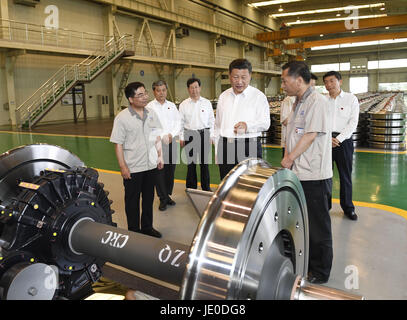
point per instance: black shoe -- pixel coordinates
(152, 232)
(171, 202)
(351, 215)
(163, 206)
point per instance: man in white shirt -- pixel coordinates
(308, 154)
(344, 110)
(197, 121)
(170, 120)
(242, 114)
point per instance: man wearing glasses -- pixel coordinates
(136, 134)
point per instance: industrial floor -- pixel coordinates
(370, 254)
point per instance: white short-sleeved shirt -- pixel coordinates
(138, 138)
(196, 115)
(250, 106)
(311, 114)
(169, 116)
(344, 111)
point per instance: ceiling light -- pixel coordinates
(321, 35)
(280, 9)
(334, 19)
(365, 6)
(387, 28)
(353, 31)
(383, 8)
(338, 14)
(271, 3)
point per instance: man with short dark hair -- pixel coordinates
(171, 122)
(308, 155)
(197, 122)
(242, 114)
(136, 134)
(344, 110)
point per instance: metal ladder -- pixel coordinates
(31, 111)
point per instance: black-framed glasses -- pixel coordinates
(141, 95)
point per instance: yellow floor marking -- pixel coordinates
(398, 211)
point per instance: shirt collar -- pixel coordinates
(341, 94)
(159, 104)
(134, 113)
(192, 101)
(244, 93)
(305, 95)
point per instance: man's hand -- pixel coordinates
(125, 172)
(335, 143)
(287, 162)
(182, 143)
(240, 128)
(160, 163)
(167, 139)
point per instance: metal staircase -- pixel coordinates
(44, 99)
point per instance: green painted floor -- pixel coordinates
(378, 177)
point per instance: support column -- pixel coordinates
(4, 25)
(112, 71)
(114, 104)
(216, 83)
(11, 93)
(242, 50)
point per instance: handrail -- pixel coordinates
(13, 30)
(67, 76)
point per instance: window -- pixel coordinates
(330, 66)
(386, 64)
(358, 84)
(393, 86)
(359, 44)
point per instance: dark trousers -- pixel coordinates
(197, 147)
(318, 196)
(232, 151)
(140, 183)
(165, 177)
(343, 157)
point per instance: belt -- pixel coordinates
(232, 140)
(335, 134)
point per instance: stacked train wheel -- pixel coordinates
(359, 136)
(276, 127)
(387, 131)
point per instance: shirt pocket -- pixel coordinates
(203, 115)
(343, 111)
(299, 123)
(131, 136)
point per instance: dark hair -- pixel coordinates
(240, 64)
(332, 73)
(159, 83)
(192, 80)
(298, 69)
(131, 88)
(314, 77)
